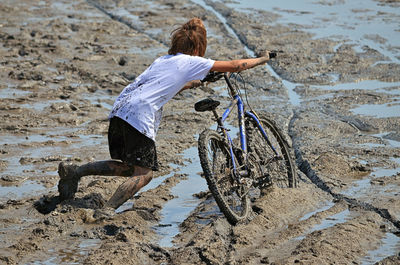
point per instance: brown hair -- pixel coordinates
(189, 38)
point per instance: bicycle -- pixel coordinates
(238, 173)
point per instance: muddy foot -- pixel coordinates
(68, 184)
(67, 189)
(67, 171)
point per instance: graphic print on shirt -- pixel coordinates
(140, 103)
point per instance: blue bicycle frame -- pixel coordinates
(241, 114)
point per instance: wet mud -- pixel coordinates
(64, 62)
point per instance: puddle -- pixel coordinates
(387, 172)
(72, 255)
(387, 110)
(330, 221)
(363, 85)
(326, 206)
(12, 92)
(365, 190)
(358, 188)
(27, 188)
(384, 140)
(176, 210)
(390, 246)
(38, 106)
(100, 97)
(294, 98)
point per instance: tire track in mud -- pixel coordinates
(306, 168)
(120, 19)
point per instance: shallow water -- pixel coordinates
(363, 189)
(387, 110)
(71, 255)
(390, 245)
(324, 207)
(328, 222)
(176, 210)
(355, 22)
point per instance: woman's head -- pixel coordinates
(190, 38)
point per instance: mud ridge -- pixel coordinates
(306, 168)
(228, 25)
(123, 21)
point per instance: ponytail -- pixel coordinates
(189, 38)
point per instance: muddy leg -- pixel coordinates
(71, 174)
(105, 168)
(142, 176)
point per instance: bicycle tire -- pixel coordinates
(282, 173)
(216, 162)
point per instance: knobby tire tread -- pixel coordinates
(207, 166)
(268, 124)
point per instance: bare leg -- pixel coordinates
(141, 177)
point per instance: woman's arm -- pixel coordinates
(238, 65)
(230, 66)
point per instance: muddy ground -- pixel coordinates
(64, 62)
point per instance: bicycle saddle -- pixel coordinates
(206, 104)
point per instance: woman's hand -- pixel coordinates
(192, 84)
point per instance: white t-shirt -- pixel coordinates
(140, 103)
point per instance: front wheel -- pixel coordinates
(267, 144)
(218, 167)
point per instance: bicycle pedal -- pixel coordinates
(264, 181)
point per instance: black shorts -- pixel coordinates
(130, 146)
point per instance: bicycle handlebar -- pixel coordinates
(215, 76)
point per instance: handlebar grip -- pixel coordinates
(272, 55)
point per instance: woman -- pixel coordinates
(137, 112)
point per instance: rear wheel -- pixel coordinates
(217, 165)
(278, 167)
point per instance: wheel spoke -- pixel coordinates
(277, 166)
(218, 168)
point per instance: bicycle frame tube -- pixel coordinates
(240, 107)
